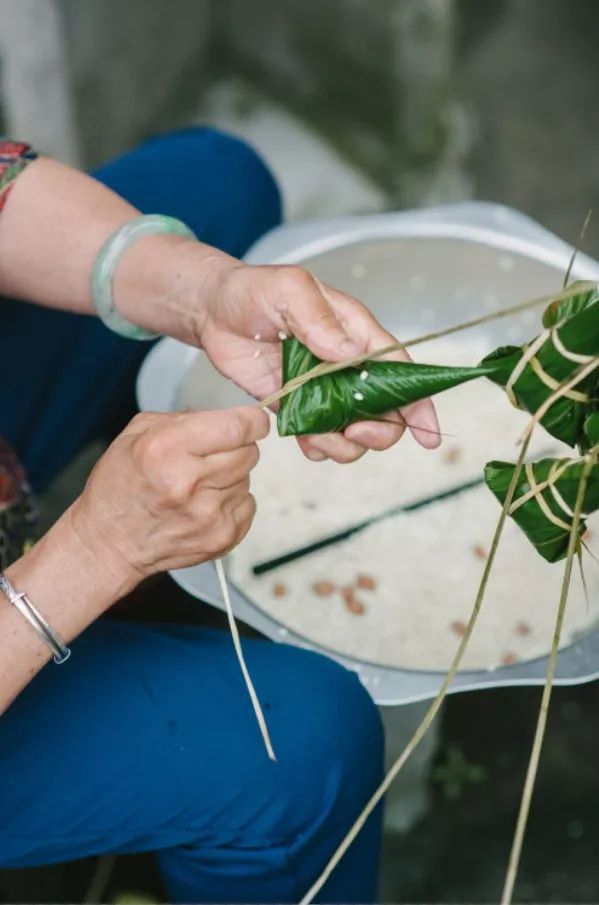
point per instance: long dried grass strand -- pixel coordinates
(535, 754)
(431, 713)
(331, 367)
(436, 704)
(578, 243)
(434, 708)
(224, 588)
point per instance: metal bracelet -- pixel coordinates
(35, 619)
(108, 258)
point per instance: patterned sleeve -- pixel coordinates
(14, 157)
(18, 512)
(18, 509)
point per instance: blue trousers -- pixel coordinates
(145, 739)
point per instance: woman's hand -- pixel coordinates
(171, 491)
(193, 292)
(247, 314)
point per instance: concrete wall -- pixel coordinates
(374, 76)
(35, 82)
(82, 79)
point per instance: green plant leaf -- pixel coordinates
(550, 540)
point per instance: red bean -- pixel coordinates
(323, 588)
(355, 606)
(453, 455)
(458, 628)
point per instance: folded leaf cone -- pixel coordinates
(330, 402)
(545, 511)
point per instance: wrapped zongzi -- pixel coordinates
(544, 500)
(568, 346)
(330, 402)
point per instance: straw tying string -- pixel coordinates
(564, 389)
(224, 588)
(537, 489)
(542, 502)
(530, 358)
(436, 704)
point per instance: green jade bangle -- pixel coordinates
(108, 258)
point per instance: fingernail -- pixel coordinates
(315, 455)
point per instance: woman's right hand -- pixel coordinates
(171, 491)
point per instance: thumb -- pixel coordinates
(312, 320)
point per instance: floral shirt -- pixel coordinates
(14, 157)
(18, 512)
(17, 506)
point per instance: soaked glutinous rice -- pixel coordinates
(400, 592)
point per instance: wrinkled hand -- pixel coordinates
(241, 335)
(171, 491)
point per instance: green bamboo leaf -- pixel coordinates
(564, 309)
(550, 540)
(579, 335)
(591, 429)
(331, 402)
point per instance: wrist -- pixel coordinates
(164, 284)
(68, 586)
(103, 550)
(67, 581)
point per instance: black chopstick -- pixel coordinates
(268, 565)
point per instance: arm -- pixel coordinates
(53, 224)
(171, 491)
(69, 586)
(55, 221)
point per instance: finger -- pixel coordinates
(229, 468)
(360, 322)
(243, 514)
(424, 424)
(231, 511)
(223, 430)
(217, 501)
(310, 451)
(309, 316)
(331, 446)
(377, 435)
(362, 325)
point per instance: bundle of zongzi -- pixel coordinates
(530, 374)
(567, 348)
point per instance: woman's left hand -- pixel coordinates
(254, 307)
